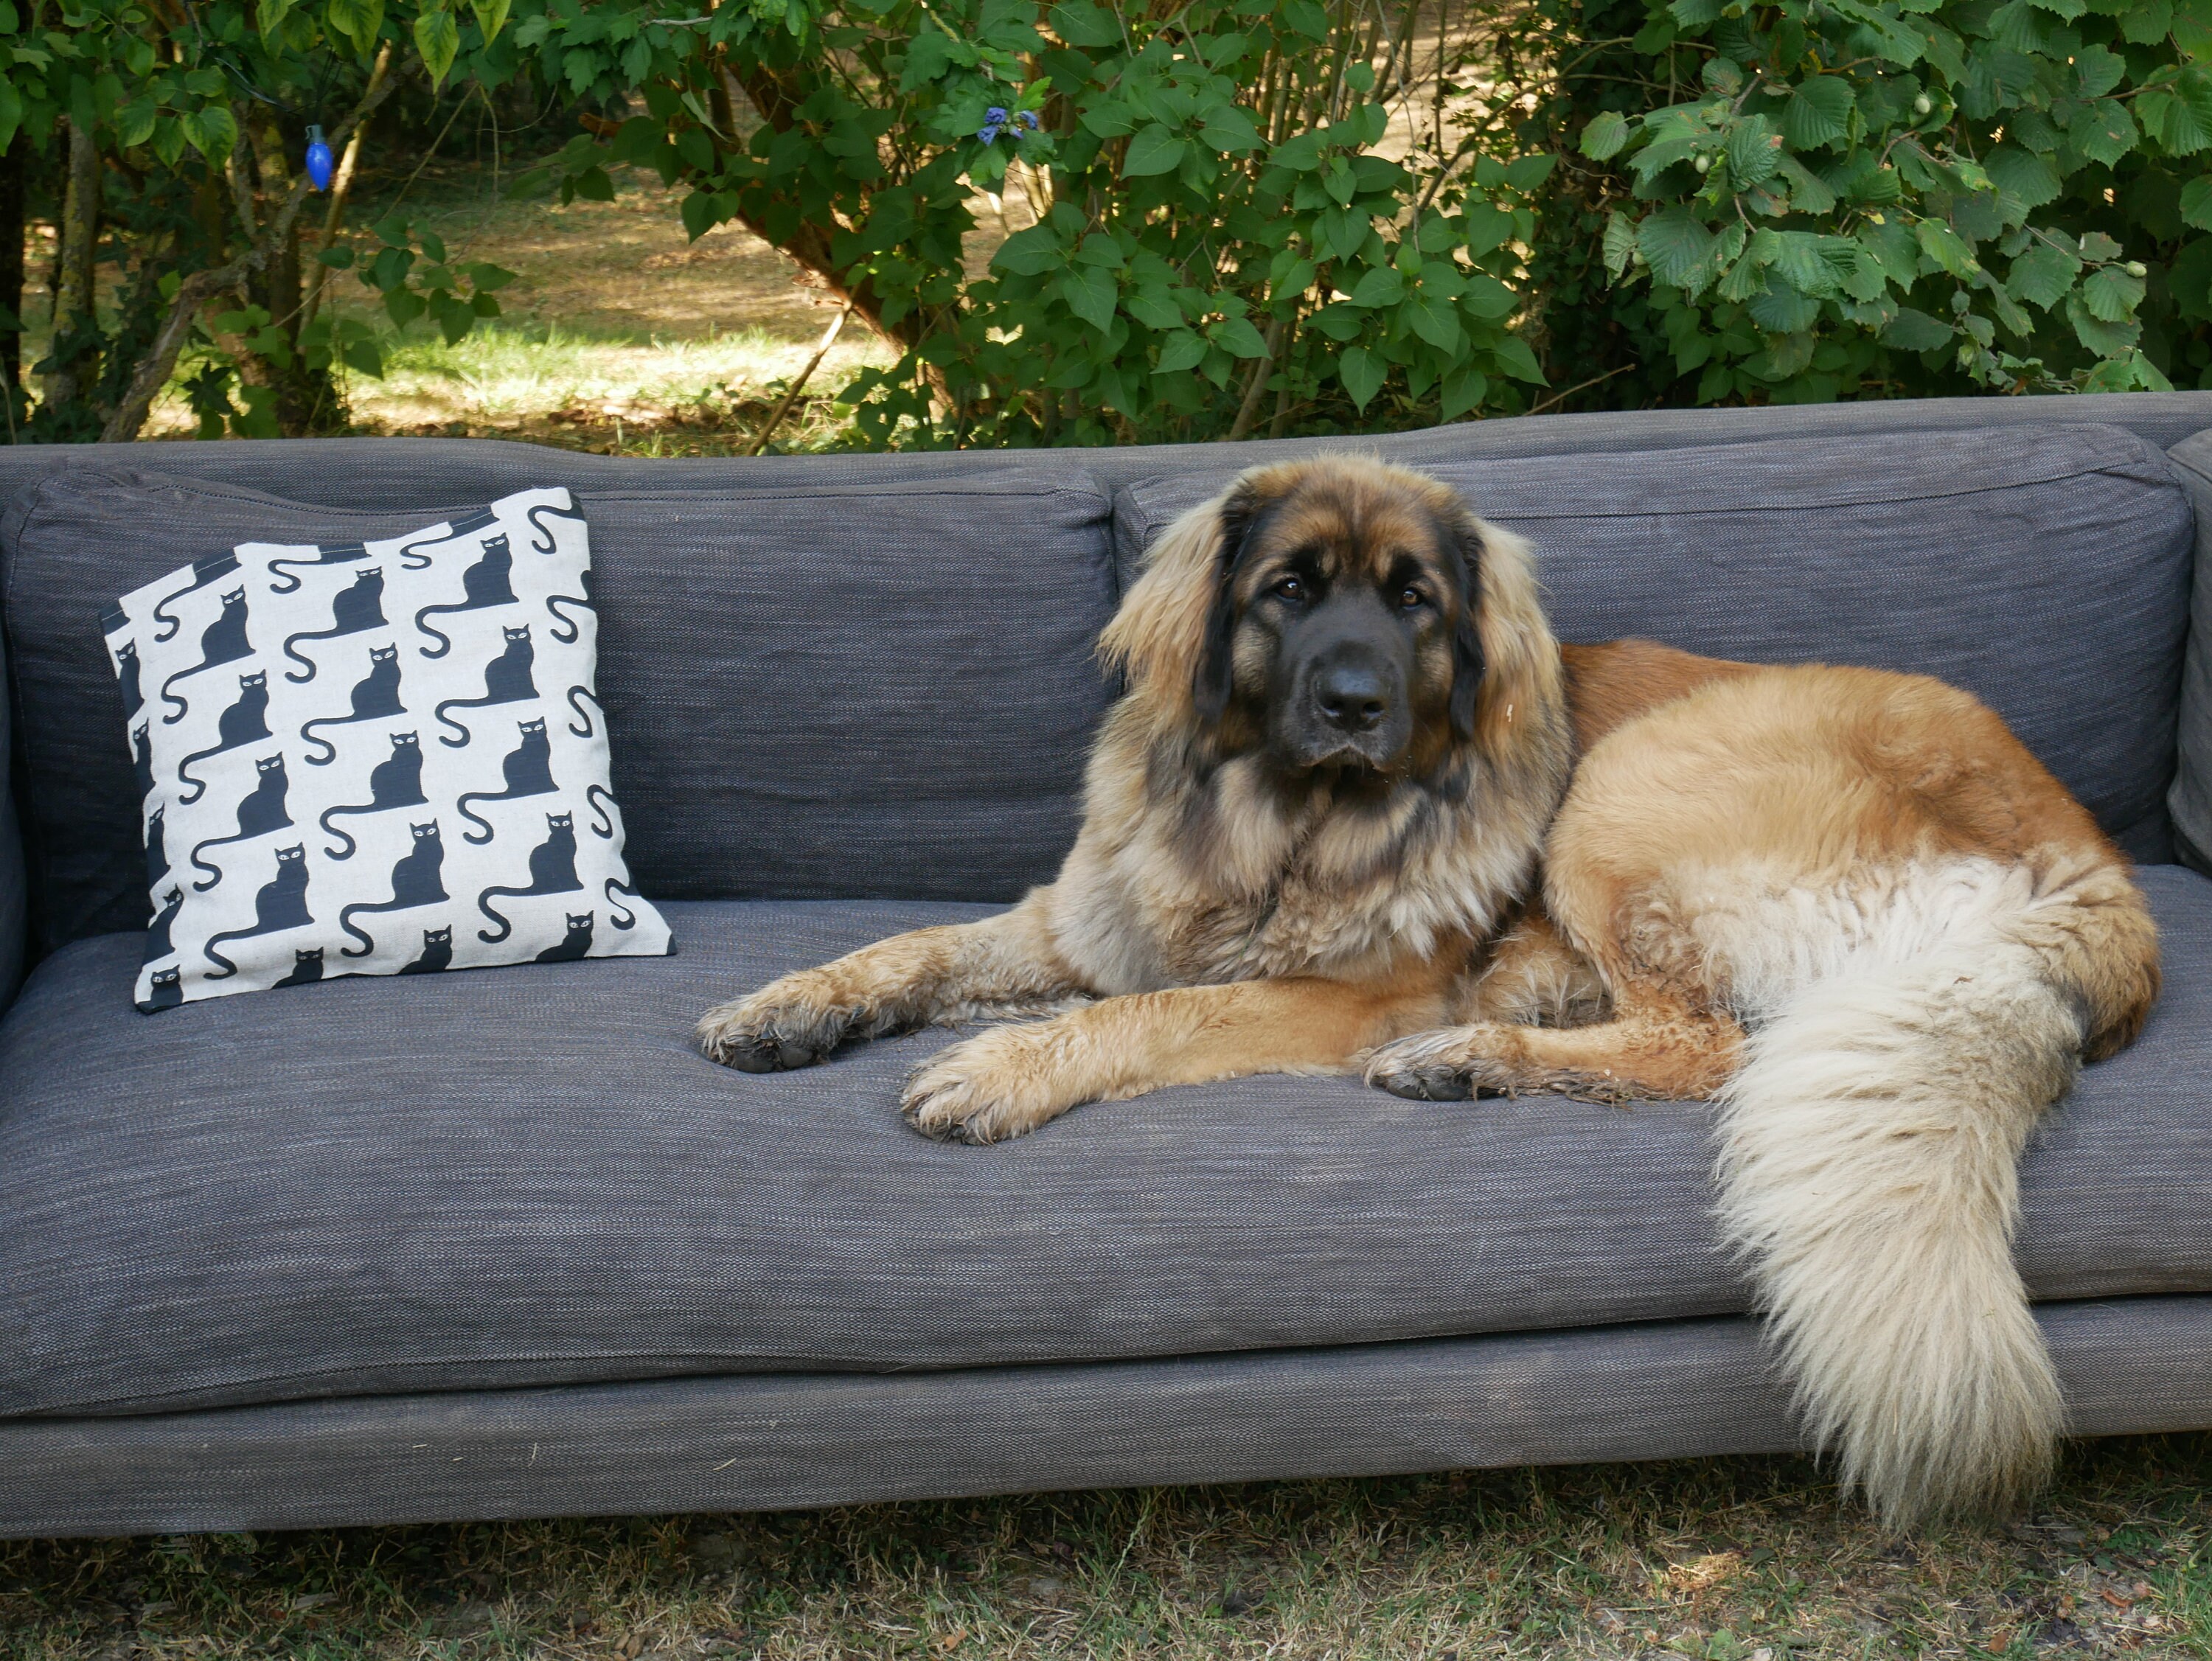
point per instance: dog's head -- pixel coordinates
(1338, 613)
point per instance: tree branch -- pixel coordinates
(154, 369)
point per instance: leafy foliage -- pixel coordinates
(196, 115)
(1817, 198)
(1204, 223)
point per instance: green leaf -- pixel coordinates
(362, 358)
(1081, 24)
(1339, 232)
(269, 17)
(1620, 243)
(2041, 275)
(338, 260)
(2099, 69)
(1819, 111)
(1154, 150)
(1944, 245)
(2147, 22)
(1808, 193)
(1676, 245)
(2107, 339)
(1229, 129)
(1434, 321)
(486, 277)
(212, 132)
(1030, 253)
(1380, 286)
(2019, 173)
(1362, 373)
(1754, 151)
(1237, 337)
(1089, 293)
(1524, 173)
(491, 17)
(2196, 202)
(2105, 131)
(1300, 152)
(438, 37)
(1463, 391)
(1185, 349)
(2111, 294)
(1100, 250)
(1606, 135)
(1487, 227)
(1514, 357)
(1915, 331)
(1489, 298)
(1154, 311)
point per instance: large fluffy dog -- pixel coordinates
(1357, 805)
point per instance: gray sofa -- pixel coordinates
(499, 1244)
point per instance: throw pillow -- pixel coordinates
(376, 758)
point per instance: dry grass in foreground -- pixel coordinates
(1746, 1560)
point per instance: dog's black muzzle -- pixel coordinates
(1343, 696)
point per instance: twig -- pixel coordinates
(340, 187)
(791, 393)
(1249, 410)
(1581, 386)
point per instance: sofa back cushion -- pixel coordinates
(874, 686)
(2046, 569)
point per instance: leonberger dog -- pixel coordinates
(1357, 809)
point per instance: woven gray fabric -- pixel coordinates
(740, 1444)
(522, 1177)
(866, 688)
(15, 894)
(2046, 570)
(2190, 800)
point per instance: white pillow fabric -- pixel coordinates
(380, 758)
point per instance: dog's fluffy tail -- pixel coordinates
(1868, 1163)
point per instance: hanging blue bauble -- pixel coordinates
(318, 159)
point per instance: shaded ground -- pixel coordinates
(1746, 1560)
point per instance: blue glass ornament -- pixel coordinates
(318, 160)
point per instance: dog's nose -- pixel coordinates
(1351, 696)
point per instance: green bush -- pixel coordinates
(1825, 199)
(1217, 244)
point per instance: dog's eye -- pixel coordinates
(1290, 588)
(1411, 599)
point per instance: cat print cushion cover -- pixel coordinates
(376, 758)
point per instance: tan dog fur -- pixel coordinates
(1848, 904)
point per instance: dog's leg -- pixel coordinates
(895, 984)
(1012, 1079)
(1654, 1048)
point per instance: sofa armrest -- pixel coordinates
(2190, 799)
(14, 895)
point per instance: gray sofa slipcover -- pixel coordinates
(499, 1244)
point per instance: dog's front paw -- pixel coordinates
(1000, 1083)
(792, 1022)
(1451, 1064)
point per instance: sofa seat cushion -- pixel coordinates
(527, 1177)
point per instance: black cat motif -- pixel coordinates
(575, 945)
(468, 525)
(487, 582)
(169, 991)
(528, 769)
(213, 569)
(583, 714)
(543, 538)
(437, 953)
(126, 679)
(157, 850)
(552, 870)
(375, 697)
(417, 879)
(280, 905)
(562, 619)
(508, 679)
(245, 722)
(142, 758)
(259, 813)
(306, 968)
(616, 914)
(603, 823)
(352, 610)
(224, 641)
(335, 554)
(394, 782)
(158, 944)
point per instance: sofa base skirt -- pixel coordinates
(1658, 1390)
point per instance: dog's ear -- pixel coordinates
(1213, 673)
(1175, 625)
(1468, 663)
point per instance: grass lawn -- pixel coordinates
(1735, 1559)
